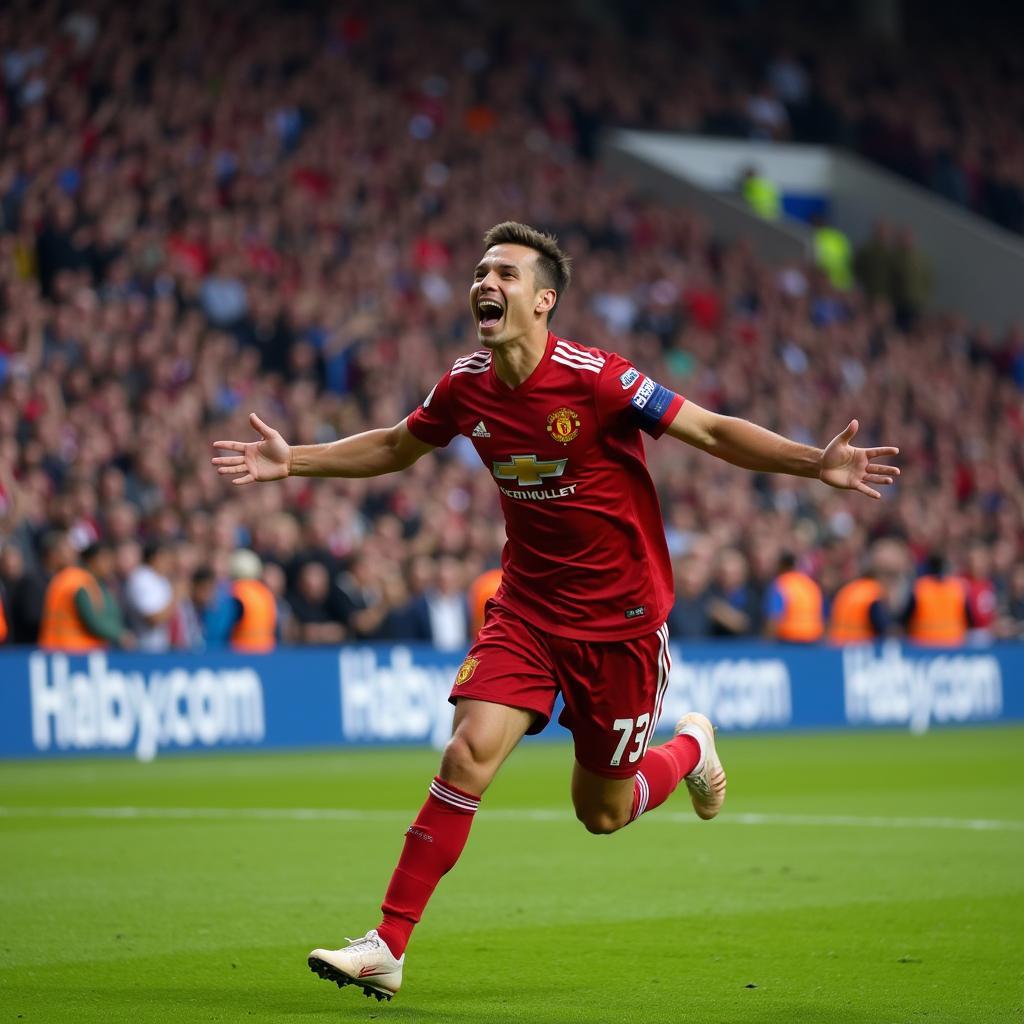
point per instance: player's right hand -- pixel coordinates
(259, 461)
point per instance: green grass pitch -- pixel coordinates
(857, 877)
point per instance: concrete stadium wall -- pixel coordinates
(716, 164)
(54, 705)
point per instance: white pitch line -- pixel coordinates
(878, 821)
(510, 814)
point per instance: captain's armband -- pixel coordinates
(650, 402)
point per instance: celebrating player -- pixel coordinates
(587, 581)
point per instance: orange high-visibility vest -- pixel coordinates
(940, 612)
(254, 631)
(802, 620)
(481, 590)
(61, 628)
(851, 612)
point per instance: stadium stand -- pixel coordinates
(203, 213)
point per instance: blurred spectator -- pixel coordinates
(689, 618)
(732, 603)
(316, 613)
(833, 253)
(190, 635)
(890, 265)
(891, 565)
(1012, 622)
(362, 598)
(254, 630)
(447, 608)
(127, 558)
(788, 77)
(937, 614)
(864, 610)
(761, 193)
(102, 617)
(873, 263)
(22, 592)
(912, 279)
(768, 116)
(980, 593)
(794, 609)
(212, 612)
(277, 583)
(439, 614)
(150, 598)
(410, 620)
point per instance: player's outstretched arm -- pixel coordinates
(746, 444)
(371, 453)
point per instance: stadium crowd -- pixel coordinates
(205, 214)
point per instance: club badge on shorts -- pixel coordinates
(564, 424)
(466, 670)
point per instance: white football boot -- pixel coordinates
(706, 782)
(366, 962)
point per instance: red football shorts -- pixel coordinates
(613, 690)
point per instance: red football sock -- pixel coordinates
(661, 770)
(433, 843)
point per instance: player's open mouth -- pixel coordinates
(489, 312)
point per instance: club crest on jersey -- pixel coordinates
(564, 424)
(466, 670)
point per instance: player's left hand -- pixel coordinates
(853, 469)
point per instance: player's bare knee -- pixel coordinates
(601, 821)
(465, 763)
(458, 756)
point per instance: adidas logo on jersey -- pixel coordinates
(480, 430)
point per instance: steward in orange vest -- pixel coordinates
(937, 615)
(854, 618)
(795, 609)
(62, 627)
(255, 630)
(79, 613)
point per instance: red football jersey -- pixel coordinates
(586, 556)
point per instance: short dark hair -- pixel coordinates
(91, 551)
(152, 548)
(553, 267)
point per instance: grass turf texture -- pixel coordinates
(186, 918)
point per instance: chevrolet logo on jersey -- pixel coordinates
(526, 470)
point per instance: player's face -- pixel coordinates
(505, 298)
